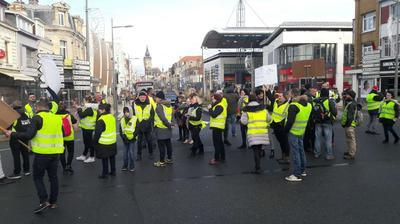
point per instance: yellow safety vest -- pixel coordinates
(197, 123)
(88, 123)
(152, 102)
(387, 110)
(128, 128)
(257, 123)
(142, 114)
(344, 116)
(224, 102)
(168, 114)
(49, 139)
(371, 103)
(29, 110)
(220, 120)
(108, 136)
(300, 123)
(279, 113)
(70, 137)
(54, 107)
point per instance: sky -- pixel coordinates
(176, 28)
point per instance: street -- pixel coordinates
(191, 191)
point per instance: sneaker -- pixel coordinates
(27, 173)
(14, 177)
(132, 170)
(169, 161)
(213, 162)
(329, 158)
(53, 206)
(348, 157)
(5, 180)
(41, 207)
(159, 164)
(89, 160)
(124, 169)
(303, 174)
(293, 178)
(186, 141)
(190, 142)
(81, 158)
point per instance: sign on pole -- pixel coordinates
(266, 75)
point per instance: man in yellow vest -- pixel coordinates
(127, 132)
(374, 101)
(389, 113)
(298, 115)
(163, 129)
(105, 140)
(46, 135)
(30, 106)
(218, 113)
(87, 122)
(349, 123)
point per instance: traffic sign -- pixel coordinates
(81, 67)
(80, 62)
(82, 88)
(81, 83)
(77, 77)
(80, 72)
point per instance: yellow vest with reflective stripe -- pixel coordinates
(280, 112)
(142, 114)
(49, 139)
(371, 103)
(108, 136)
(300, 123)
(257, 123)
(54, 107)
(196, 123)
(71, 137)
(152, 102)
(128, 128)
(387, 110)
(29, 110)
(88, 123)
(220, 120)
(224, 102)
(167, 113)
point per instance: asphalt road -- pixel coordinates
(191, 191)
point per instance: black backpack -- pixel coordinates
(321, 113)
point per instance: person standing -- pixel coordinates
(298, 115)
(178, 113)
(309, 136)
(46, 135)
(195, 124)
(128, 134)
(105, 140)
(3, 178)
(388, 116)
(87, 123)
(232, 98)
(218, 115)
(242, 103)
(144, 113)
(30, 106)
(349, 123)
(256, 118)
(163, 129)
(374, 101)
(69, 140)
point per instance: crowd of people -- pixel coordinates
(296, 121)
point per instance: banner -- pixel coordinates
(266, 75)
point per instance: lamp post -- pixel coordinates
(115, 74)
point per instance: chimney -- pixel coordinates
(33, 2)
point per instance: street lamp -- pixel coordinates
(115, 74)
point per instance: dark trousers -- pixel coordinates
(144, 136)
(218, 144)
(185, 132)
(41, 164)
(243, 130)
(180, 132)
(257, 149)
(282, 137)
(197, 144)
(88, 142)
(165, 145)
(389, 128)
(105, 161)
(309, 137)
(19, 150)
(69, 147)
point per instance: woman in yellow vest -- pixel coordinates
(87, 123)
(218, 113)
(389, 112)
(256, 118)
(195, 124)
(242, 103)
(127, 132)
(105, 140)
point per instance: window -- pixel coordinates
(30, 57)
(348, 54)
(63, 48)
(61, 20)
(369, 20)
(386, 47)
(366, 48)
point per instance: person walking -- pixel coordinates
(195, 124)
(298, 115)
(128, 134)
(87, 122)
(163, 129)
(46, 135)
(218, 113)
(256, 118)
(349, 124)
(389, 113)
(374, 101)
(105, 140)
(242, 103)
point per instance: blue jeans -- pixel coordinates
(129, 155)
(323, 136)
(298, 155)
(230, 123)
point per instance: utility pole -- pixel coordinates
(114, 74)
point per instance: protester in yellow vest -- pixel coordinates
(374, 101)
(30, 106)
(388, 115)
(87, 122)
(242, 103)
(298, 115)
(256, 118)
(105, 140)
(46, 137)
(195, 124)
(218, 113)
(348, 122)
(127, 132)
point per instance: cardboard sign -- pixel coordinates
(266, 75)
(8, 115)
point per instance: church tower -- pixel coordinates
(147, 63)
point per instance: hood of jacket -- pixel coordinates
(138, 102)
(303, 100)
(253, 106)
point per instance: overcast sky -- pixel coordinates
(175, 28)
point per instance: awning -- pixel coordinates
(17, 75)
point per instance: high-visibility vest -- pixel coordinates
(220, 120)
(128, 128)
(387, 110)
(49, 139)
(153, 102)
(196, 123)
(70, 137)
(88, 123)
(371, 103)
(29, 110)
(224, 102)
(279, 113)
(301, 120)
(142, 114)
(325, 103)
(245, 101)
(54, 107)
(167, 113)
(344, 116)
(257, 122)
(317, 94)
(108, 136)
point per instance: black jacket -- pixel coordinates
(351, 110)
(332, 110)
(232, 99)
(144, 125)
(102, 151)
(22, 125)
(87, 113)
(199, 112)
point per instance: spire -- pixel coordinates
(147, 52)
(241, 15)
